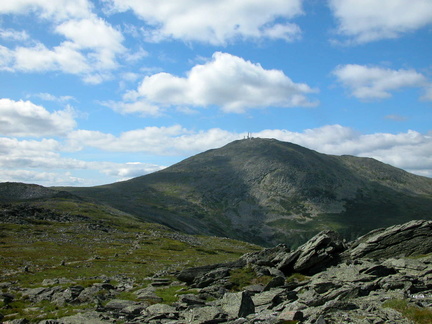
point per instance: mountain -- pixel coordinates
(266, 191)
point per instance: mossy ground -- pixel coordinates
(118, 245)
(243, 277)
(416, 314)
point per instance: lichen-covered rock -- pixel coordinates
(315, 255)
(237, 304)
(205, 315)
(412, 238)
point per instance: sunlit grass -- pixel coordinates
(128, 247)
(412, 312)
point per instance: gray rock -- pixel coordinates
(270, 298)
(275, 282)
(237, 304)
(412, 238)
(315, 255)
(193, 274)
(119, 304)
(157, 282)
(211, 277)
(319, 252)
(161, 311)
(205, 315)
(191, 300)
(34, 292)
(254, 288)
(18, 321)
(148, 294)
(81, 318)
(289, 315)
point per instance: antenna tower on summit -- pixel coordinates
(248, 136)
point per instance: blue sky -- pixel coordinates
(93, 92)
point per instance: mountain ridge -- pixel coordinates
(266, 191)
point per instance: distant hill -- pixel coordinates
(267, 191)
(16, 191)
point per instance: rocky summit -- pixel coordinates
(268, 192)
(383, 277)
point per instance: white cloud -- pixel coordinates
(23, 118)
(366, 82)
(42, 178)
(94, 34)
(139, 107)
(427, 93)
(128, 170)
(227, 81)
(174, 140)
(48, 9)
(6, 59)
(50, 97)
(149, 139)
(10, 34)
(371, 20)
(41, 162)
(23, 160)
(215, 22)
(91, 47)
(91, 52)
(411, 150)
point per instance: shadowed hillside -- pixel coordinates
(266, 191)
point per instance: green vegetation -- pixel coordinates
(296, 277)
(243, 277)
(412, 312)
(101, 241)
(42, 310)
(171, 294)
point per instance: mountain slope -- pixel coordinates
(16, 191)
(266, 191)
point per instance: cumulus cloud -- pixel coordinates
(97, 35)
(370, 20)
(93, 60)
(23, 160)
(41, 162)
(23, 118)
(365, 82)
(10, 34)
(41, 177)
(226, 81)
(90, 49)
(170, 140)
(128, 170)
(173, 140)
(47, 9)
(215, 22)
(410, 150)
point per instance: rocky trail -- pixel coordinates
(382, 277)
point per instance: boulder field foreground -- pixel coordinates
(384, 276)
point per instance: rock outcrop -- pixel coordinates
(324, 281)
(412, 238)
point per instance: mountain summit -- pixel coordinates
(267, 191)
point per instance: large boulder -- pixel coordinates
(412, 238)
(197, 274)
(315, 255)
(238, 304)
